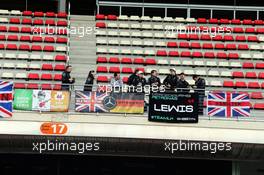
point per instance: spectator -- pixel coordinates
(171, 80)
(67, 80)
(116, 81)
(89, 81)
(140, 80)
(200, 89)
(131, 78)
(182, 84)
(154, 80)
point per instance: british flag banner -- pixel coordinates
(6, 99)
(228, 104)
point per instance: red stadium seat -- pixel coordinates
(139, 61)
(36, 48)
(111, 17)
(102, 79)
(243, 47)
(219, 46)
(126, 60)
(33, 76)
(228, 84)
(230, 46)
(62, 15)
(218, 38)
(197, 54)
(61, 40)
(253, 85)
(46, 87)
(127, 70)
(241, 84)
(248, 65)
(100, 25)
(59, 67)
(208, 46)
(26, 21)
(252, 39)
(25, 30)
(140, 69)
(57, 87)
(240, 38)
(38, 22)
(205, 37)
(247, 22)
(11, 47)
(201, 20)
(14, 20)
(3, 29)
(195, 45)
(261, 75)
(114, 70)
(13, 29)
(62, 23)
(2, 37)
(19, 86)
(259, 106)
(193, 37)
(32, 86)
(125, 79)
(260, 30)
(237, 74)
(228, 38)
(150, 61)
(38, 14)
(47, 67)
(12, 37)
(101, 60)
(50, 22)
(235, 21)
(114, 60)
(209, 55)
(27, 13)
(46, 77)
(49, 39)
(213, 21)
(2, 46)
(172, 44)
(250, 30)
(36, 39)
(262, 85)
(221, 55)
(251, 75)
(258, 22)
(233, 55)
(161, 53)
(256, 95)
(183, 36)
(185, 54)
(100, 17)
(173, 53)
(48, 48)
(184, 45)
(25, 38)
(101, 69)
(24, 47)
(259, 65)
(50, 14)
(224, 21)
(238, 30)
(57, 77)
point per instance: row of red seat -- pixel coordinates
(103, 17)
(232, 21)
(240, 38)
(37, 86)
(47, 14)
(196, 54)
(242, 84)
(29, 21)
(28, 38)
(44, 76)
(239, 74)
(125, 70)
(26, 47)
(35, 30)
(198, 45)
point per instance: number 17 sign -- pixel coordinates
(51, 128)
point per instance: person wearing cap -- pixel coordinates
(199, 88)
(154, 80)
(140, 80)
(171, 80)
(182, 84)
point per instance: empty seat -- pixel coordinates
(241, 84)
(49, 39)
(33, 76)
(193, 37)
(240, 38)
(48, 48)
(101, 69)
(228, 38)
(238, 30)
(209, 55)
(25, 38)
(11, 47)
(205, 37)
(50, 14)
(251, 75)
(207, 46)
(57, 77)
(256, 95)
(201, 20)
(238, 74)
(114, 60)
(150, 61)
(221, 55)
(38, 22)
(248, 65)
(101, 60)
(128, 70)
(59, 67)
(36, 48)
(228, 84)
(186, 54)
(172, 44)
(259, 106)
(100, 25)
(139, 61)
(47, 67)
(36, 39)
(253, 85)
(195, 45)
(219, 46)
(161, 53)
(243, 47)
(46, 86)
(24, 47)
(46, 77)
(32, 86)
(231, 46)
(100, 17)
(232, 56)
(259, 65)
(235, 21)
(19, 86)
(60, 58)
(126, 60)
(102, 79)
(13, 29)
(62, 15)
(261, 75)
(197, 54)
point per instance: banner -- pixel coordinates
(41, 100)
(113, 102)
(227, 104)
(173, 108)
(6, 99)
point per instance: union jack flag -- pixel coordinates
(6, 99)
(227, 104)
(89, 101)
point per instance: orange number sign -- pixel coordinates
(53, 128)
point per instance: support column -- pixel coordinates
(62, 5)
(235, 168)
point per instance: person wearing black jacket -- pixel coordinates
(154, 80)
(132, 77)
(200, 89)
(140, 80)
(182, 84)
(171, 80)
(89, 81)
(67, 79)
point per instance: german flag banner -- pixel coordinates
(109, 102)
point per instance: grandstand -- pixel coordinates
(36, 45)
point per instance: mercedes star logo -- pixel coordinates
(109, 102)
